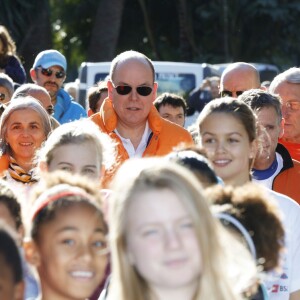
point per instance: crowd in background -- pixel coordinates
(123, 200)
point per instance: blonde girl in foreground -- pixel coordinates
(165, 243)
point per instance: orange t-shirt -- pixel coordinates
(293, 148)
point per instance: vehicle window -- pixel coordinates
(100, 77)
(179, 83)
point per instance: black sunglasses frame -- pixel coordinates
(126, 89)
(229, 93)
(48, 72)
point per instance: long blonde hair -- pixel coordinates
(141, 175)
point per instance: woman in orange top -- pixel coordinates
(24, 125)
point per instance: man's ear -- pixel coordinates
(110, 89)
(32, 253)
(155, 87)
(33, 75)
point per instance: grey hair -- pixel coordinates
(25, 103)
(291, 75)
(26, 88)
(7, 83)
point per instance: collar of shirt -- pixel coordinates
(138, 152)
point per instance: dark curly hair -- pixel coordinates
(254, 209)
(64, 201)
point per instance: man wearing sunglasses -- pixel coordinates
(287, 86)
(237, 78)
(49, 71)
(128, 114)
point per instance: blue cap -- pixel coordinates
(49, 58)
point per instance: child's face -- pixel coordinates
(161, 241)
(69, 262)
(77, 158)
(9, 290)
(227, 144)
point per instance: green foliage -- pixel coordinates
(16, 15)
(72, 22)
(223, 30)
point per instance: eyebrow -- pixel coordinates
(230, 133)
(75, 229)
(18, 123)
(69, 164)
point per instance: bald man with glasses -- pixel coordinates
(128, 114)
(237, 78)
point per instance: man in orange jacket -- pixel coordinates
(128, 114)
(273, 165)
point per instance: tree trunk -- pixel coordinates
(226, 33)
(106, 30)
(186, 36)
(149, 30)
(37, 37)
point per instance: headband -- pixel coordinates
(55, 193)
(238, 225)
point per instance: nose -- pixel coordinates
(172, 119)
(84, 252)
(220, 147)
(172, 239)
(25, 132)
(134, 93)
(234, 94)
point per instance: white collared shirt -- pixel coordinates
(138, 152)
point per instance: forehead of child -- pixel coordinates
(58, 210)
(231, 118)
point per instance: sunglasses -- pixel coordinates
(229, 94)
(50, 110)
(126, 89)
(293, 105)
(2, 96)
(49, 72)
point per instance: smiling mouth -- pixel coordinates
(221, 162)
(82, 274)
(26, 144)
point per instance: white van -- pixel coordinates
(174, 77)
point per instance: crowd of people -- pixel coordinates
(122, 200)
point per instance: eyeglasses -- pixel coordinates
(2, 96)
(49, 72)
(293, 105)
(126, 89)
(50, 110)
(229, 94)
